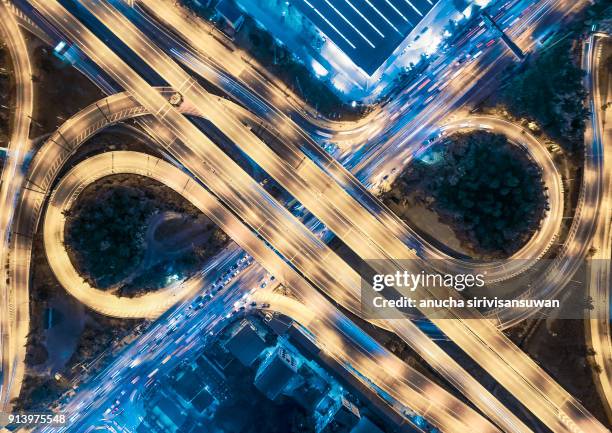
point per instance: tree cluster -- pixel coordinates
(106, 234)
(484, 187)
(550, 91)
(37, 392)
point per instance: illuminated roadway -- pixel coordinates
(599, 140)
(257, 150)
(71, 135)
(195, 30)
(49, 161)
(14, 321)
(149, 306)
(560, 414)
(45, 167)
(191, 29)
(448, 367)
(226, 60)
(367, 237)
(461, 83)
(115, 109)
(401, 381)
(211, 55)
(505, 318)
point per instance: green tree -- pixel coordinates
(484, 187)
(550, 91)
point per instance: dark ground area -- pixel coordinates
(486, 189)
(57, 102)
(106, 234)
(549, 91)
(559, 345)
(51, 349)
(6, 91)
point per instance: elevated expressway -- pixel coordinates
(191, 29)
(599, 155)
(560, 412)
(297, 156)
(13, 318)
(365, 235)
(194, 42)
(546, 287)
(229, 61)
(46, 166)
(401, 381)
(207, 65)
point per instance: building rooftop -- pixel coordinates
(368, 31)
(202, 400)
(246, 344)
(335, 413)
(189, 385)
(166, 415)
(276, 372)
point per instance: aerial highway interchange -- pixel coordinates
(333, 169)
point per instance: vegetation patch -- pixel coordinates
(481, 185)
(106, 234)
(108, 238)
(550, 92)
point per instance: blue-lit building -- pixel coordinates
(368, 31)
(245, 343)
(190, 387)
(312, 390)
(185, 400)
(276, 372)
(166, 415)
(336, 414)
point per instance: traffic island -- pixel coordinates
(481, 186)
(119, 230)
